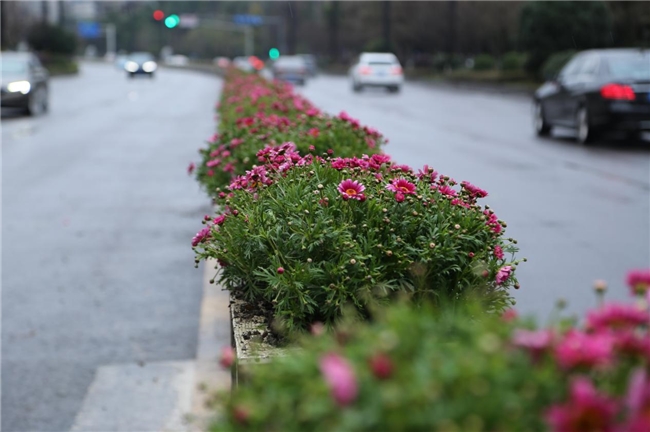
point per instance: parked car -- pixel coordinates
(377, 70)
(291, 68)
(24, 82)
(312, 66)
(140, 63)
(595, 92)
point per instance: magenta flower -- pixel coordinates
(314, 132)
(351, 189)
(446, 190)
(617, 317)
(474, 191)
(399, 197)
(201, 236)
(503, 274)
(219, 219)
(498, 252)
(280, 270)
(638, 402)
(213, 163)
(401, 185)
(190, 168)
(586, 410)
(381, 366)
(638, 281)
(340, 378)
(509, 315)
(578, 349)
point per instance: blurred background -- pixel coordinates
(494, 40)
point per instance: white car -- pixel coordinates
(377, 70)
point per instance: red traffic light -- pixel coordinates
(158, 15)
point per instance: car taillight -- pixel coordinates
(365, 70)
(396, 70)
(617, 92)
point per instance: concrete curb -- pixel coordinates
(214, 334)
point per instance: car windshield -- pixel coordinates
(140, 57)
(631, 66)
(290, 61)
(378, 59)
(10, 65)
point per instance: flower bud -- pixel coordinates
(280, 270)
(381, 366)
(353, 261)
(600, 286)
(227, 357)
(432, 245)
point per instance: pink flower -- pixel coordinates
(586, 410)
(280, 270)
(578, 349)
(210, 173)
(399, 197)
(446, 190)
(638, 402)
(503, 274)
(498, 252)
(474, 191)
(340, 378)
(190, 168)
(427, 174)
(236, 142)
(314, 132)
(535, 341)
(380, 159)
(219, 219)
(351, 189)
(201, 236)
(509, 315)
(229, 167)
(638, 281)
(616, 316)
(401, 185)
(213, 163)
(227, 357)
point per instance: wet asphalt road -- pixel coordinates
(578, 213)
(98, 213)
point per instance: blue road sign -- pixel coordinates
(245, 19)
(89, 29)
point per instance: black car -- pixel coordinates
(595, 92)
(140, 63)
(24, 82)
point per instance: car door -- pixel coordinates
(578, 86)
(555, 105)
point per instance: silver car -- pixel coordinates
(377, 70)
(24, 82)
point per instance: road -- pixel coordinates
(579, 214)
(98, 214)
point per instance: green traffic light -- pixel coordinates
(172, 21)
(274, 53)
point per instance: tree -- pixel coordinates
(52, 39)
(547, 27)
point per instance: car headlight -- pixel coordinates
(149, 66)
(131, 66)
(19, 86)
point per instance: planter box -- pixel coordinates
(249, 340)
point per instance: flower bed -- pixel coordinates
(458, 370)
(308, 231)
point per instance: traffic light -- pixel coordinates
(158, 15)
(274, 53)
(172, 21)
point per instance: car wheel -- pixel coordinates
(585, 132)
(37, 103)
(394, 89)
(542, 128)
(356, 87)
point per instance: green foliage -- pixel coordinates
(334, 252)
(450, 370)
(555, 63)
(513, 61)
(53, 39)
(484, 62)
(547, 27)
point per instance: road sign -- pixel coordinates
(89, 29)
(246, 19)
(189, 21)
